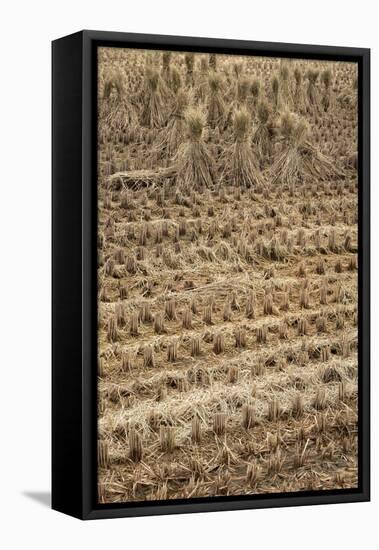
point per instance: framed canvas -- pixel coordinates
(211, 277)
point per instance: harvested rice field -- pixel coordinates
(227, 275)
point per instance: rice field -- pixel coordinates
(227, 275)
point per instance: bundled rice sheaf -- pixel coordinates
(194, 164)
(243, 91)
(275, 96)
(299, 97)
(170, 79)
(213, 62)
(115, 108)
(175, 82)
(255, 94)
(154, 110)
(263, 134)
(172, 135)
(327, 98)
(242, 98)
(201, 90)
(166, 67)
(285, 90)
(241, 165)
(189, 59)
(216, 105)
(300, 160)
(313, 98)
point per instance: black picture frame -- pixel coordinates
(74, 228)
